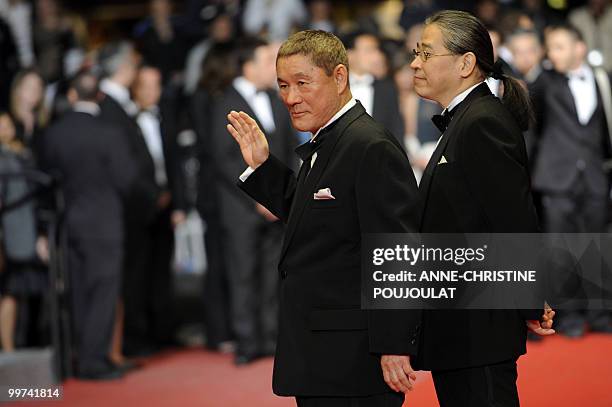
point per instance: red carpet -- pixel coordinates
(556, 372)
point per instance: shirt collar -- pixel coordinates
(246, 88)
(460, 97)
(86, 107)
(118, 92)
(583, 72)
(348, 106)
(364, 80)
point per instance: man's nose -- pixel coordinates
(293, 97)
(416, 63)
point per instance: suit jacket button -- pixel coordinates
(412, 342)
(283, 274)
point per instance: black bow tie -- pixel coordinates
(442, 120)
(306, 150)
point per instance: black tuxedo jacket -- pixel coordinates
(385, 108)
(327, 345)
(236, 206)
(483, 187)
(564, 146)
(91, 158)
(141, 202)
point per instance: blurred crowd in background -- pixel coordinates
(125, 104)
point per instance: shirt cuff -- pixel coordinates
(243, 177)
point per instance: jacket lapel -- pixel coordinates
(303, 195)
(462, 108)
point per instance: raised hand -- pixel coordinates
(252, 141)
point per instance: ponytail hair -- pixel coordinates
(464, 33)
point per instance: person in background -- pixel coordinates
(160, 41)
(378, 97)
(221, 30)
(421, 134)
(253, 235)
(91, 158)
(274, 18)
(119, 62)
(23, 280)
(53, 37)
(320, 16)
(594, 21)
(155, 284)
(9, 63)
(18, 15)
(27, 107)
(219, 69)
(572, 133)
(527, 54)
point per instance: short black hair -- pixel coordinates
(245, 50)
(350, 40)
(85, 84)
(569, 28)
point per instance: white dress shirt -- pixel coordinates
(455, 101)
(362, 88)
(121, 94)
(582, 85)
(149, 123)
(258, 101)
(86, 107)
(243, 177)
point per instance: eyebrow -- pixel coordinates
(426, 45)
(298, 75)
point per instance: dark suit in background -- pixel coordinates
(216, 316)
(140, 211)
(483, 187)
(383, 105)
(252, 243)
(569, 165)
(156, 284)
(328, 346)
(569, 173)
(386, 108)
(96, 172)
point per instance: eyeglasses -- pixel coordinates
(425, 55)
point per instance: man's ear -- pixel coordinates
(72, 96)
(340, 74)
(467, 64)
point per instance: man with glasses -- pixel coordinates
(477, 181)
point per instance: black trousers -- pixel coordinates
(253, 252)
(378, 400)
(483, 386)
(95, 275)
(216, 315)
(147, 279)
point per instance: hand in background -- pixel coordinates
(252, 141)
(177, 217)
(42, 249)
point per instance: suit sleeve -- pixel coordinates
(494, 161)
(273, 185)
(387, 201)
(497, 176)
